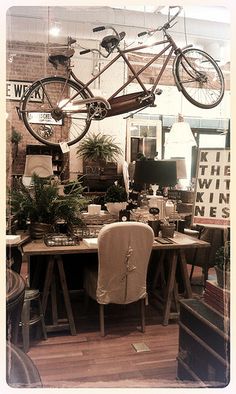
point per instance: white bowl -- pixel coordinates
(115, 207)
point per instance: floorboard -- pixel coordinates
(89, 360)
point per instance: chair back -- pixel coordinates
(124, 250)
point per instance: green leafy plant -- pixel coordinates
(222, 257)
(97, 147)
(42, 203)
(115, 193)
(16, 137)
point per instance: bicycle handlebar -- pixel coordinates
(175, 15)
(85, 51)
(99, 28)
(166, 25)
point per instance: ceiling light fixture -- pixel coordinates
(55, 30)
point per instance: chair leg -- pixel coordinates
(142, 310)
(101, 319)
(86, 302)
(42, 320)
(191, 273)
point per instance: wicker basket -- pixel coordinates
(167, 230)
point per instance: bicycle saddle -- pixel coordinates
(61, 57)
(110, 42)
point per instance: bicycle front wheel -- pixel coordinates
(53, 111)
(199, 78)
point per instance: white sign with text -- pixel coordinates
(212, 192)
(16, 89)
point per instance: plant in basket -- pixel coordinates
(43, 207)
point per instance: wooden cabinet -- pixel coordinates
(98, 176)
(204, 345)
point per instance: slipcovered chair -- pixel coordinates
(205, 258)
(124, 250)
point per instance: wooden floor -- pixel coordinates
(89, 360)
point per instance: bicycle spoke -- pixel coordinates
(53, 118)
(200, 78)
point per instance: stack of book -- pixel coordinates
(217, 297)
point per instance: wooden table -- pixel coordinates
(173, 253)
(14, 252)
(54, 254)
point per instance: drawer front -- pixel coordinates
(204, 362)
(203, 329)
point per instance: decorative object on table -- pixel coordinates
(169, 208)
(115, 199)
(94, 209)
(61, 240)
(90, 231)
(124, 215)
(42, 207)
(90, 220)
(222, 265)
(157, 202)
(154, 222)
(167, 229)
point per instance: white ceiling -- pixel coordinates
(210, 13)
(33, 23)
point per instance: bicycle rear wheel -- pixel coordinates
(48, 112)
(199, 78)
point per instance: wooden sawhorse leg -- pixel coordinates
(50, 284)
(170, 286)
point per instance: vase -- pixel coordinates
(38, 230)
(115, 207)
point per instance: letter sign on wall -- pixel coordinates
(212, 190)
(16, 89)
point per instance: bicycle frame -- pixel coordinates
(146, 97)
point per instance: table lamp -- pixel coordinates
(181, 171)
(38, 164)
(157, 173)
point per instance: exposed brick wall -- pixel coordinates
(149, 75)
(29, 62)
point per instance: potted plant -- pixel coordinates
(115, 199)
(99, 147)
(41, 206)
(99, 153)
(16, 138)
(222, 265)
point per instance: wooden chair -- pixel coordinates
(124, 250)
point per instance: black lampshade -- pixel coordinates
(160, 172)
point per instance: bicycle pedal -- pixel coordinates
(158, 92)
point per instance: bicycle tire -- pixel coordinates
(199, 78)
(39, 102)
